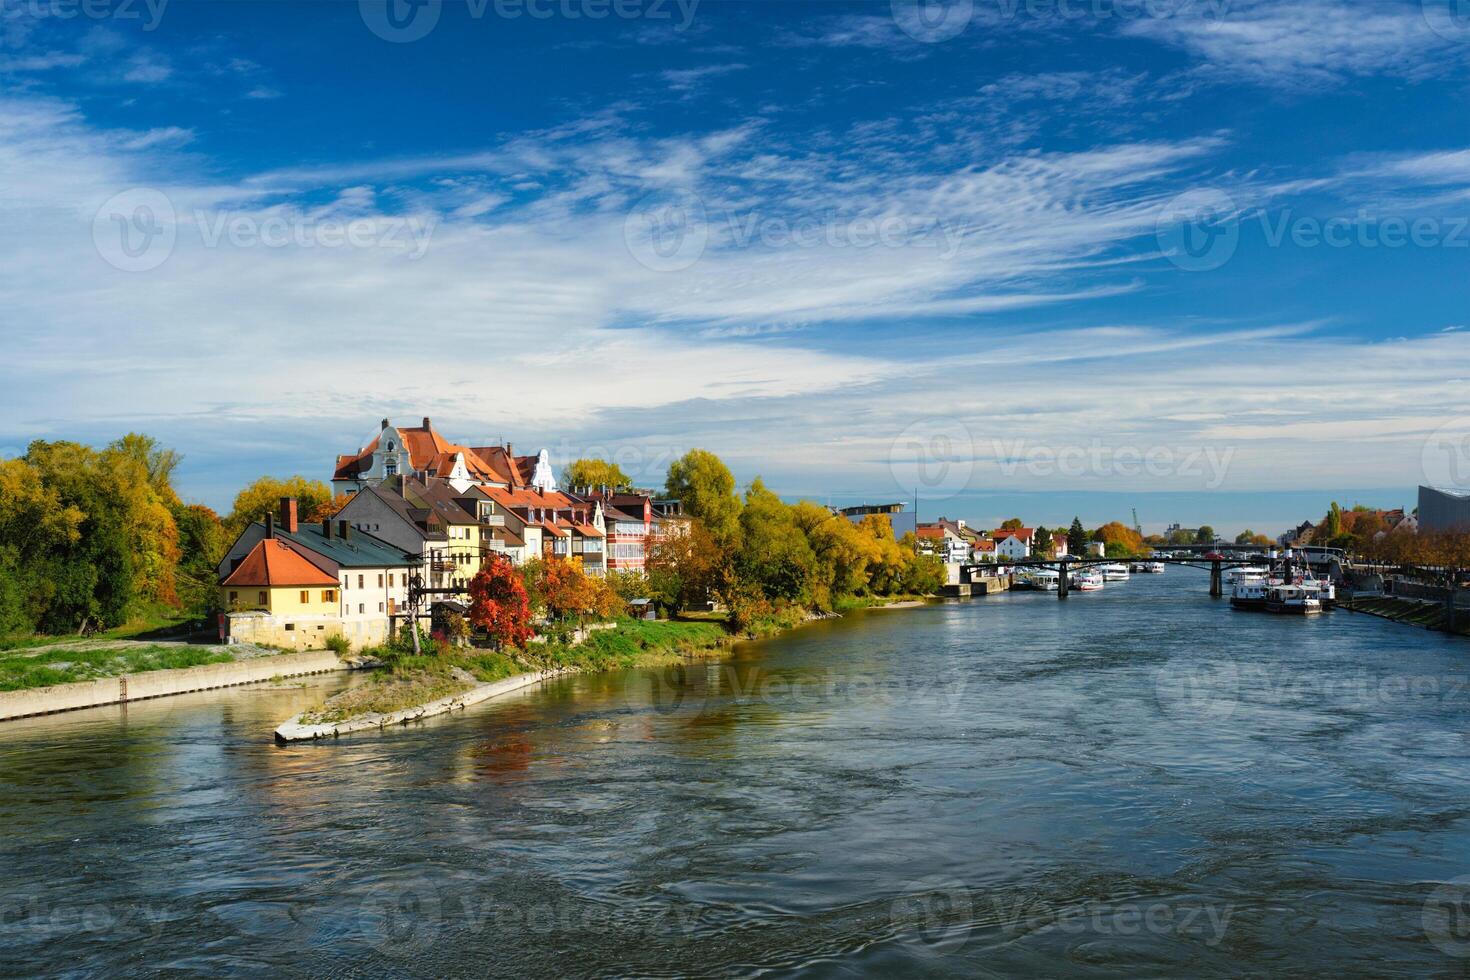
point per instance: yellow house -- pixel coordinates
(275, 579)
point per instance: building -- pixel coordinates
(1013, 543)
(943, 538)
(275, 595)
(1097, 549)
(1298, 536)
(983, 550)
(1444, 510)
(422, 453)
(372, 575)
(1060, 548)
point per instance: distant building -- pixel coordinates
(1059, 544)
(1444, 510)
(1098, 549)
(1014, 543)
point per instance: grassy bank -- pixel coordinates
(408, 681)
(21, 670)
(151, 622)
(1427, 615)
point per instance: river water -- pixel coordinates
(1135, 782)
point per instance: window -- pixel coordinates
(361, 608)
(390, 468)
(305, 596)
(329, 595)
(380, 607)
(380, 580)
(265, 599)
(359, 582)
(290, 626)
(234, 598)
(390, 580)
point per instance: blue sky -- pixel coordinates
(1024, 256)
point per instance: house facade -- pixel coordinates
(1013, 543)
(370, 574)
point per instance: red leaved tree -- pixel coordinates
(498, 602)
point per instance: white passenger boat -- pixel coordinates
(1114, 573)
(1244, 571)
(1146, 567)
(1087, 581)
(1045, 579)
(1249, 591)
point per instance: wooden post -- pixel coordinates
(1217, 583)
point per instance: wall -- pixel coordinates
(161, 683)
(311, 632)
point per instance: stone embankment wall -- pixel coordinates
(162, 683)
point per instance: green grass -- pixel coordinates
(635, 642)
(21, 671)
(150, 619)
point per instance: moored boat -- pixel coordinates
(1087, 581)
(1291, 599)
(1114, 573)
(1249, 592)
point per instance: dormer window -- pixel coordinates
(390, 467)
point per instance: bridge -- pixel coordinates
(1064, 566)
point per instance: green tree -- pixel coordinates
(706, 487)
(37, 532)
(1013, 524)
(595, 473)
(842, 550)
(774, 553)
(202, 545)
(1205, 535)
(1077, 538)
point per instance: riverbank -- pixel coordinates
(1423, 613)
(414, 688)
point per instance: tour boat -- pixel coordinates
(1147, 567)
(1245, 571)
(1087, 581)
(1249, 592)
(1046, 579)
(1114, 573)
(1291, 599)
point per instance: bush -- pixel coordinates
(339, 644)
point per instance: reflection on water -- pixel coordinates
(1133, 782)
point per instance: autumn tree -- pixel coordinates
(686, 570)
(326, 510)
(706, 488)
(1012, 524)
(498, 602)
(1119, 540)
(841, 552)
(774, 554)
(264, 496)
(595, 473)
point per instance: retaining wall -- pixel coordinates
(162, 683)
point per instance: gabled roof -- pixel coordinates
(428, 452)
(358, 550)
(1024, 533)
(984, 544)
(437, 497)
(272, 564)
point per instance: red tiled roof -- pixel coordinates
(929, 532)
(1024, 533)
(984, 545)
(272, 563)
(431, 453)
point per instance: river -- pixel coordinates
(1135, 782)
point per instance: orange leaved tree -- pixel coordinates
(498, 602)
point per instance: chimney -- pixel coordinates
(288, 514)
(426, 421)
(385, 423)
(344, 529)
(270, 524)
(327, 528)
(508, 450)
